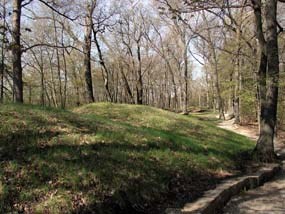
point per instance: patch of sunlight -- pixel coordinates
(1, 189)
(56, 202)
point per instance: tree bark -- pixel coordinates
(268, 82)
(17, 52)
(87, 52)
(139, 85)
(3, 54)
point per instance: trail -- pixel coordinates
(250, 131)
(267, 199)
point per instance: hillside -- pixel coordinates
(106, 157)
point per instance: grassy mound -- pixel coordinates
(109, 158)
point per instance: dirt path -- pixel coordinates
(250, 131)
(267, 199)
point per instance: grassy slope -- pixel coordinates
(108, 157)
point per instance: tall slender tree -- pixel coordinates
(17, 52)
(87, 49)
(3, 41)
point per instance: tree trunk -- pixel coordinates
(186, 89)
(218, 90)
(30, 94)
(139, 85)
(17, 52)
(104, 67)
(42, 87)
(65, 72)
(236, 102)
(3, 54)
(126, 84)
(265, 146)
(87, 54)
(237, 80)
(42, 74)
(65, 79)
(48, 98)
(172, 77)
(53, 86)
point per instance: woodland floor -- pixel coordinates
(110, 158)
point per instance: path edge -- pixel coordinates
(213, 201)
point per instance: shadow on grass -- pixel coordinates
(123, 183)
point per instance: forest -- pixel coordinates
(92, 65)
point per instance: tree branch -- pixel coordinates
(57, 11)
(50, 46)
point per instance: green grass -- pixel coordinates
(105, 157)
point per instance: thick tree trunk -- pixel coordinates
(268, 79)
(17, 52)
(265, 144)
